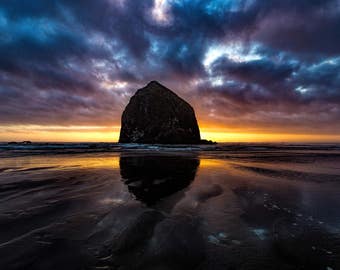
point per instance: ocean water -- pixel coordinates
(116, 206)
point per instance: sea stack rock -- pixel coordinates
(156, 115)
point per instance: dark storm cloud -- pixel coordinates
(74, 62)
(314, 31)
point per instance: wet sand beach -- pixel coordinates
(110, 206)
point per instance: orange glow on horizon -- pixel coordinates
(37, 133)
(268, 137)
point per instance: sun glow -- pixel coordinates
(38, 133)
(266, 137)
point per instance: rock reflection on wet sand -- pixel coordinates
(151, 178)
(174, 210)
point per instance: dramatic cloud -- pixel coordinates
(266, 65)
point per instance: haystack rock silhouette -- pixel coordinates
(156, 115)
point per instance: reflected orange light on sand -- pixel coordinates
(211, 163)
(111, 134)
(60, 162)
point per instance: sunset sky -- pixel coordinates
(254, 70)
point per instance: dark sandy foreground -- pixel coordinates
(245, 208)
